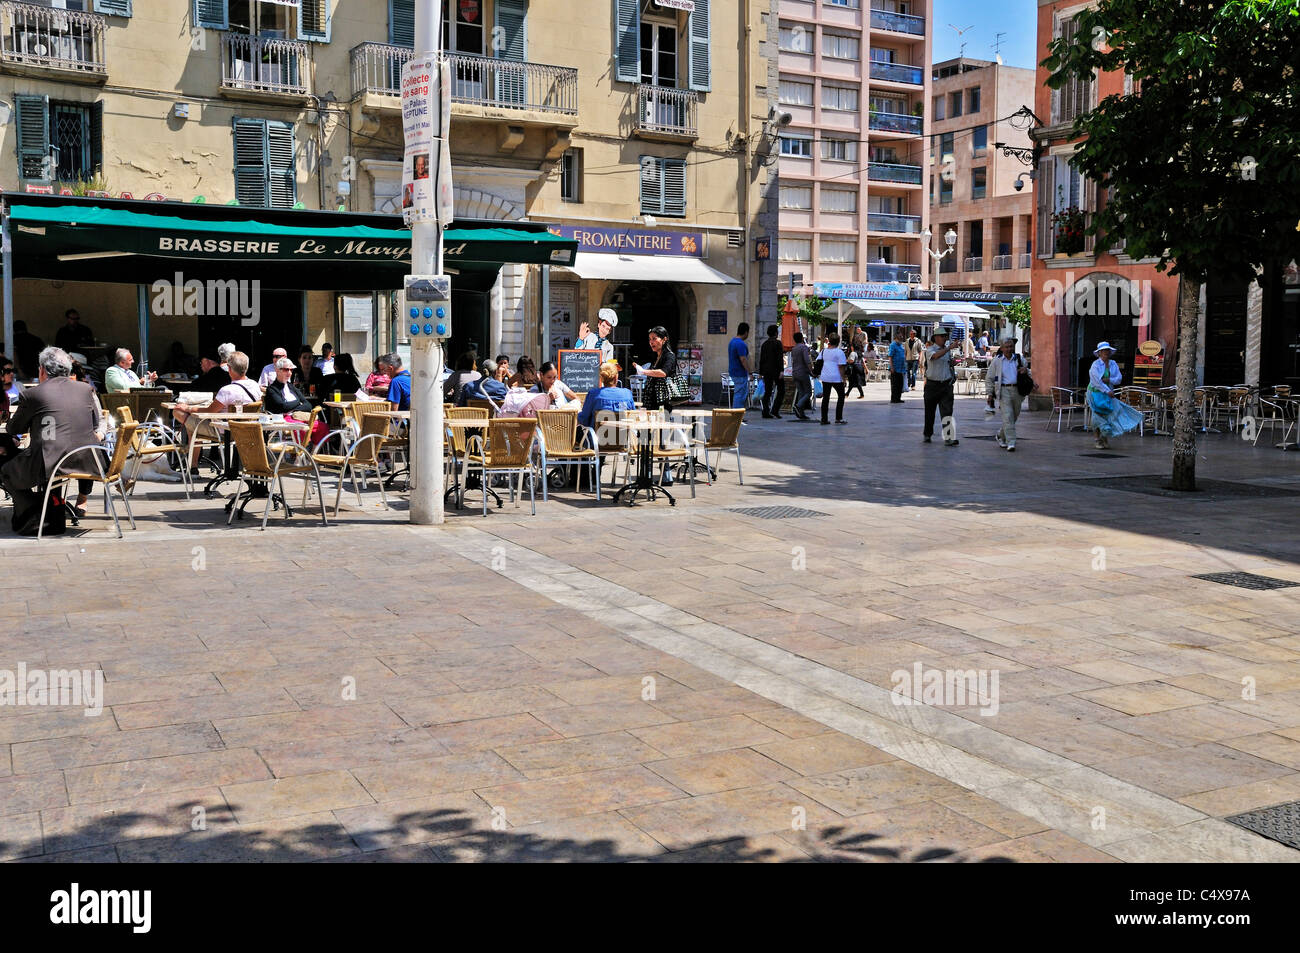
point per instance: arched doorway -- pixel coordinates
(641, 305)
(1102, 307)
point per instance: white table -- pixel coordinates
(644, 479)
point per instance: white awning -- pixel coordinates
(690, 271)
(926, 310)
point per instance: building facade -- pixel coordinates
(854, 82)
(633, 125)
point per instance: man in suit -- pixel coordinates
(59, 415)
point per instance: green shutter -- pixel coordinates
(697, 28)
(281, 176)
(314, 21)
(213, 14)
(401, 22)
(511, 21)
(97, 137)
(673, 175)
(627, 41)
(250, 162)
(33, 114)
(651, 186)
(113, 8)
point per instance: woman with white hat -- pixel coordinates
(1110, 417)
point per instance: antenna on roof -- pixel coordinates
(997, 47)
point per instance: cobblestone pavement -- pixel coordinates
(688, 683)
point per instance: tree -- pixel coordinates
(812, 310)
(1200, 158)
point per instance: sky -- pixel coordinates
(1016, 18)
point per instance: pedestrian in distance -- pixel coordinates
(801, 365)
(1002, 384)
(831, 374)
(897, 368)
(771, 364)
(939, 377)
(914, 348)
(738, 366)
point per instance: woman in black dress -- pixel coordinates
(657, 373)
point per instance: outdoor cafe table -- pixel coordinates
(695, 415)
(644, 479)
(460, 424)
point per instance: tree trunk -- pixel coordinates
(1189, 306)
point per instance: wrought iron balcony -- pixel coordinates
(475, 80)
(1002, 262)
(973, 263)
(895, 122)
(39, 39)
(897, 73)
(666, 111)
(257, 64)
(898, 22)
(889, 271)
(893, 172)
(881, 222)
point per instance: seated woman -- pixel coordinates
(608, 396)
(491, 384)
(461, 380)
(344, 380)
(281, 397)
(526, 375)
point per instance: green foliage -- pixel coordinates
(1019, 313)
(1202, 156)
(812, 310)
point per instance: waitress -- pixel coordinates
(657, 373)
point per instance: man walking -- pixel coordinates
(801, 371)
(939, 379)
(771, 364)
(897, 368)
(914, 348)
(1001, 384)
(738, 366)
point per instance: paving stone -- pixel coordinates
(822, 754)
(874, 788)
(548, 759)
(256, 801)
(709, 734)
(596, 792)
(427, 776)
(125, 779)
(721, 771)
(102, 748)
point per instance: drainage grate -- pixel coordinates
(777, 512)
(1247, 580)
(1280, 823)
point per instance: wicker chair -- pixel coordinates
(256, 467)
(724, 436)
(457, 442)
(680, 451)
(358, 457)
(562, 444)
(108, 478)
(166, 441)
(507, 450)
(483, 403)
(149, 403)
(611, 442)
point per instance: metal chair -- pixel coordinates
(107, 478)
(457, 443)
(1063, 406)
(168, 442)
(724, 437)
(563, 444)
(256, 466)
(507, 450)
(611, 442)
(359, 456)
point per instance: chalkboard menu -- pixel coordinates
(580, 370)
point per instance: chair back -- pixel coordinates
(366, 452)
(125, 438)
(510, 442)
(724, 429)
(559, 429)
(609, 437)
(359, 408)
(478, 403)
(114, 403)
(149, 403)
(252, 407)
(1061, 396)
(250, 441)
(459, 435)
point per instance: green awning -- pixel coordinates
(88, 240)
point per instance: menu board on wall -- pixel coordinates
(564, 326)
(690, 364)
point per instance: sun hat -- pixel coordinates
(607, 314)
(1103, 346)
(940, 329)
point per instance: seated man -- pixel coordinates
(213, 376)
(491, 384)
(119, 378)
(267, 377)
(399, 387)
(232, 397)
(608, 396)
(59, 415)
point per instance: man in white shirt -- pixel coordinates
(1000, 383)
(939, 379)
(325, 363)
(233, 396)
(267, 377)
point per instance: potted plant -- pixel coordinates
(1069, 223)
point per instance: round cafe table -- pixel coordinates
(644, 479)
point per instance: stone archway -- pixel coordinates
(1102, 306)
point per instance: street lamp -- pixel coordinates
(950, 237)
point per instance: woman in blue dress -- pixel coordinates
(1110, 417)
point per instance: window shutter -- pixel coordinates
(314, 21)
(674, 178)
(97, 136)
(697, 27)
(401, 22)
(627, 41)
(1046, 186)
(281, 177)
(250, 162)
(33, 135)
(651, 186)
(113, 8)
(212, 14)
(511, 21)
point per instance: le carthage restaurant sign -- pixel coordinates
(632, 241)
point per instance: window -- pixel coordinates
(851, 4)
(794, 39)
(663, 186)
(658, 53)
(945, 146)
(1060, 186)
(264, 163)
(973, 99)
(571, 176)
(954, 104)
(889, 104)
(887, 204)
(1075, 97)
(839, 97)
(979, 140)
(845, 150)
(884, 154)
(117, 8)
(840, 47)
(653, 52)
(310, 17)
(978, 182)
(883, 54)
(839, 200)
(794, 249)
(796, 94)
(796, 196)
(58, 140)
(838, 251)
(798, 146)
(945, 190)
(937, 108)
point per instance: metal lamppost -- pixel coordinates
(950, 237)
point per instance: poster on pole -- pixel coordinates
(426, 116)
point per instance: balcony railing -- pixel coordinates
(896, 122)
(897, 73)
(1002, 262)
(881, 222)
(38, 36)
(263, 65)
(892, 172)
(882, 271)
(973, 263)
(475, 80)
(1026, 260)
(898, 22)
(664, 110)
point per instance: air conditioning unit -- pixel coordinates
(735, 239)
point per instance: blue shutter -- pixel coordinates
(512, 28)
(314, 21)
(250, 162)
(97, 137)
(651, 186)
(113, 8)
(401, 22)
(282, 180)
(627, 41)
(213, 14)
(673, 175)
(697, 28)
(33, 114)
